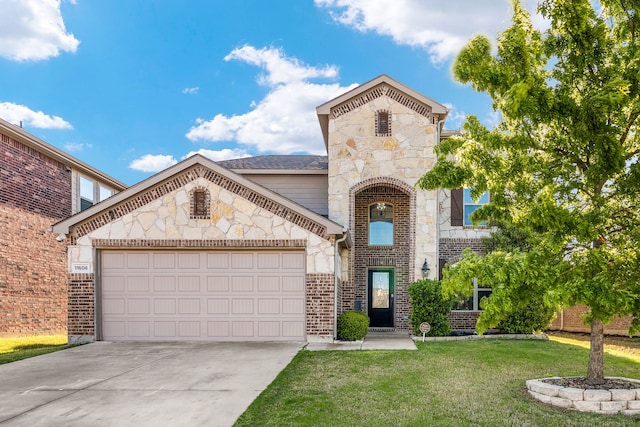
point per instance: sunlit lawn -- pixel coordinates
(460, 383)
(12, 349)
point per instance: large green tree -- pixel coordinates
(563, 163)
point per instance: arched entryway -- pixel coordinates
(382, 221)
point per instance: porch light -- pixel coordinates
(425, 269)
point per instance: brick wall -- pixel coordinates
(35, 192)
(397, 256)
(451, 251)
(81, 305)
(320, 290)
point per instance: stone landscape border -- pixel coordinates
(603, 401)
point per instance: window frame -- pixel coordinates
(99, 192)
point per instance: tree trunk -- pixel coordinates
(595, 374)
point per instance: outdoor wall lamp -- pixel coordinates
(425, 269)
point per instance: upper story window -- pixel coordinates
(92, 192)
(383, 123)
(462, 205)
(381, 224)
(471, 205)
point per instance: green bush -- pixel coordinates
(428, 305)
(352, 325)
(534, 317)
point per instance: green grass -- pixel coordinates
(12, 349)
(461, 383)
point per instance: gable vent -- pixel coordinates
(377, 92)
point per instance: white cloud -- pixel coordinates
(455, 118)
(33, 30)
(15, 113)
(77, 146)
(152, 163)
(285, 120)
(191, 90)
(219, 155)
(440, 27)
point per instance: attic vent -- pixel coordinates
(200, 204)
(383, 123)
(377, 92)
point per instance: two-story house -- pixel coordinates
(39, 185)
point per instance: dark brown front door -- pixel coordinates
(380, 300)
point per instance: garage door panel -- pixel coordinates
(217, 283)
(164, 306)
(242, 283)
(138, 283)
(211, 295)
(218, 306)
(138, 260)
(163, 261)
(189, 283)
(269, 283)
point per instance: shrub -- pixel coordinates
(352, 325)
(428, 305)
(534, 317)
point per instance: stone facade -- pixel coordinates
(35, 192)
(230, 221)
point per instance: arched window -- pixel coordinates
(380, 224)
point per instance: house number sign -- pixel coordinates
(424, 328)
(80, 267)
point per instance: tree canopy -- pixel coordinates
(562, 164)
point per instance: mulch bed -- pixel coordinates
(581, 382)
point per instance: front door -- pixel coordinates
(380, 302)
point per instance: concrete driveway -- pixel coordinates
(140, 384)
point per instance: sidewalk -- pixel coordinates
(373, 341)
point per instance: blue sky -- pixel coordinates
(133, 86)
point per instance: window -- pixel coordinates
(473, 302)
(91, 192)
(381, 224)
(471, 205)
(462, 205)
(383, 123)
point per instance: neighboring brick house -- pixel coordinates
(275, 247)
(39, 185)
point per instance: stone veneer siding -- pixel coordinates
(451, 251)
(35, 192)
(398, 256)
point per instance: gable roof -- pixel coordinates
(416, 99)
(152, 187)
(285, 163)
(24, 137)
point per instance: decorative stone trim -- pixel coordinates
(598, 401)
(383, 128)
(377, 92)
(182, 243)
(182, 179)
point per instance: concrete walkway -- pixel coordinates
(373, 341)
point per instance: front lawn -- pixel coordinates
(460, 383)
(12, 349)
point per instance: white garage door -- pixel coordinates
(195, 295)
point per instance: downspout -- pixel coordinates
(337, 257)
